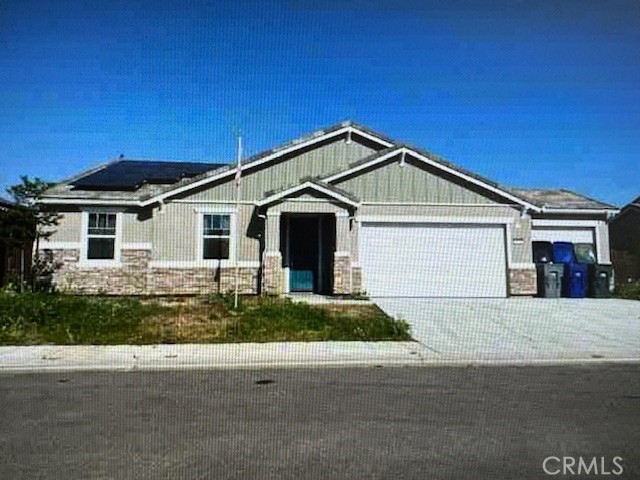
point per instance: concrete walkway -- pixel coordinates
(523, 329)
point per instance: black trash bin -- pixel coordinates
(550, 277)
(599, 281)
(542, 252)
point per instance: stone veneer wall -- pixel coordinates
(347, 280)
(136, 277)
(176, 281)
(523, 281)
(356, 280)
(272, 273)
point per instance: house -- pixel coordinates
(340, 211)
(15, 250)
(624, 231)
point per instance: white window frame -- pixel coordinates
(201, 212)
(116, 261)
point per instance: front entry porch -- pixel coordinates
(308, 252)
(307, 247)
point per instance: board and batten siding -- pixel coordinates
(394, 182)
(323, 161)
(69, 228)
(137, 227)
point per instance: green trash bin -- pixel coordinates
(600, 280)
(550, 279)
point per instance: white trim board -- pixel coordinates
(303, 186)
(565, 223)
(202, 264)
(46, 245)
(89, 201)
(137, 246)
(434, 219)
(428, 204)
(83, 261)
(233, 241)
(580, 211)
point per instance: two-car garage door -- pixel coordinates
(433, 260)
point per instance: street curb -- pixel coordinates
(389, 363)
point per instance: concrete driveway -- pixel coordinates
(522, 328)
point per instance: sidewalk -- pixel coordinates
(52, 358)
(194, 356)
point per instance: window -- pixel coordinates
(101, 236)
(216, 236)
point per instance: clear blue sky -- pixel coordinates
(528, 93)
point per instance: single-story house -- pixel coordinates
(15, 251)
(341, 211)
(624, 231)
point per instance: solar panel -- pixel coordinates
(132, 174)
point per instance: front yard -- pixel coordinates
(35, 319)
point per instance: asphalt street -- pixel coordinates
(357, 423)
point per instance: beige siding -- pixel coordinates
(603, 246)
(69, 229)
(409, 183)
(521, 241)
(325, 160)
(137, 227)
(175, 233)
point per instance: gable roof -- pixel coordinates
(434, 161)
(271, 155)
(315, 185)
(150, 193)
(144, 189)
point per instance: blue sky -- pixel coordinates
(528, 93)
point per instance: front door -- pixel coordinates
(303, 254)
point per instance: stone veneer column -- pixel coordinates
(523, 280)
(342, 277)
(272, 271)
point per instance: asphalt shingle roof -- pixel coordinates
(151, 187)
(559, 198)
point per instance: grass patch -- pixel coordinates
(37, 318)
(629, 291)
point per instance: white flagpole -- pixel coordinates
(236, 233)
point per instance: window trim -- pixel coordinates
(215, 262)
(84, 248)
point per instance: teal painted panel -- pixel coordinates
(301, 280)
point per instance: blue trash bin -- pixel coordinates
(575, 280)
(563, 252)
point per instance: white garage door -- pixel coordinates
(550, 234)
(431, 260)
